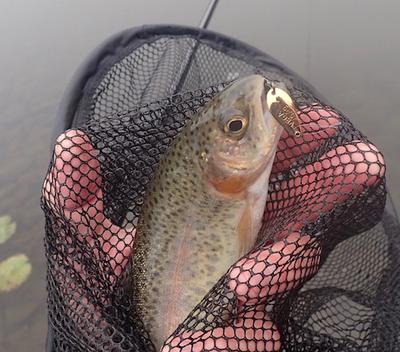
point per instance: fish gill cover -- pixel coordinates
(323, 275)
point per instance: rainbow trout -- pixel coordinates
(204, 208)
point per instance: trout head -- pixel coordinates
(235, 136)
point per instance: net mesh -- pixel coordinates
(324, 274)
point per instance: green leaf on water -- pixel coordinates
(14, 271)
(7, 228)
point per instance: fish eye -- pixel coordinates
(235, 125)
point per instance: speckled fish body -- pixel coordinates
(204, 207)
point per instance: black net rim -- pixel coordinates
(77, 96)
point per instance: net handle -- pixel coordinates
(208, 14)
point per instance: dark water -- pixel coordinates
(349, 50)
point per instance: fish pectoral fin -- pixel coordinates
(247, 229)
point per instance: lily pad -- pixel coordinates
(14, 271)
(7, 228)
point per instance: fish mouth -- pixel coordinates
(236, 164)
(243, 164)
